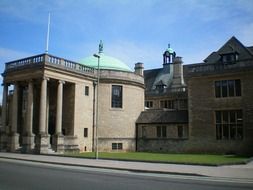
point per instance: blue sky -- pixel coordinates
(132, 30)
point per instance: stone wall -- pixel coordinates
(119, 123)
(83, 115)
(147, 139)
(202, 107)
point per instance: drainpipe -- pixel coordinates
(93, 119)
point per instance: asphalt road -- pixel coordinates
(19, 175)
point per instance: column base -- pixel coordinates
(13, 142)
(58, 143)
(28, 143)
(71, 144)
(41, 144)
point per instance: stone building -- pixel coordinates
(217, 94)
(49, 104)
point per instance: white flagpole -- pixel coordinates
(48, 30)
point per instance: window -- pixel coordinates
(229, 58)
(161, 131)
(144, 131)
(180, 131)
(229, 124)
(86, 91)
(116, 96)
(149, 104)
(117, 146)
(227, 88)
(85, 132)
(170, 104)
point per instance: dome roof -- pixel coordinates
(106, 62)
(170, 50)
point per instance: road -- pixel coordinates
(19, 175)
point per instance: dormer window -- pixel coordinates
(160, 86)
(229, 57)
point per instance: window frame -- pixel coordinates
(227, 88)
(117, 146)
(86, 90)
(117, 103)
(85, 132)
(161, 131)
(229, 124)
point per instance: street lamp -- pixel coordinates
(98, 75)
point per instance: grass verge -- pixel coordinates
(200, 159)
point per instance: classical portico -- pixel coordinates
(49, 105)
(34, 101)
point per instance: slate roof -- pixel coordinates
(150, 76)
(155, 116)
(231, 46)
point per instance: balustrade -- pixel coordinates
(217, 67)
(46, 59)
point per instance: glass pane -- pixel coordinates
(238, 87)
(225, 117)
(218, 89)
(164, 132)
(114, 146)
(233, 131)
(218, 131)
(165, 104)
(218, 116)
(225, 134)
(158, 131)
(120, 146)
(231, 88)
(239, 132)
(116, 96)
(180, 131)
(232, 116)
(239, 117)
(224, 88)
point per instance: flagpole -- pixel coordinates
(48, 30)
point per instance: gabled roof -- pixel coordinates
(231, 46)
(154, 116)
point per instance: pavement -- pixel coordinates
(236, 172)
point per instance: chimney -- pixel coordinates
(178, 78)
(138, 69)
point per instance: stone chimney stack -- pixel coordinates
(178, 77)
(139, 68)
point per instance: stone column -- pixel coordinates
(47, 119)
(58, 139)
(14, 136)
(28, 139)
(4, 129)
(42, 139)
(43, 103)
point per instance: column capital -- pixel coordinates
(45, 78)
(61, 81)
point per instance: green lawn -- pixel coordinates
(205, 159)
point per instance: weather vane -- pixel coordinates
(101, 48)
